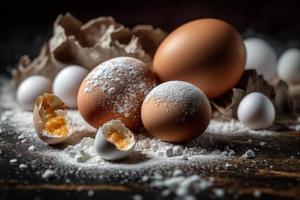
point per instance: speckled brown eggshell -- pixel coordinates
(208, 53)
(175, 121)
(131, 80)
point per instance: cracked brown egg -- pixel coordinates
(208, 53)
(50, 119)
(115, 90)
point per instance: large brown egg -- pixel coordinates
(208, 53)
(176, 111)
(115, 90)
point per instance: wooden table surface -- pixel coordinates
(275, 172)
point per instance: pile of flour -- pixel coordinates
(164, 166)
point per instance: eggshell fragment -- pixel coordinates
(30, 89)
(114, 141)
(176, 111)
(256, 111)
(50, 119)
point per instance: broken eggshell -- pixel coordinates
(114, 141)
(50, 119)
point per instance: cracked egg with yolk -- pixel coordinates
(114, 141)
(50, 119)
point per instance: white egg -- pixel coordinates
(114, 141)
(288, 68)
(262, 57)
(256, 111)
(30, 89)
(67, 82)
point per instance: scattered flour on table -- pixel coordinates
(49, 174)
(23, 166)
(248, 154)
(12, 161)
(148, 151)
(150, 162)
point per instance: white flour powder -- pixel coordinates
(123, 81)
(169, 167)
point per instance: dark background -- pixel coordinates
(27, 24)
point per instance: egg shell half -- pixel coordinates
(108, 150)
(39, 115)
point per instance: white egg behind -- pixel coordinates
(67, 82)
(256, 111)
(288, 68)
(262, 57)
(30, 89)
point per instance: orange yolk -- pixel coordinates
(57, 126)
(54, 124)
(117, 139)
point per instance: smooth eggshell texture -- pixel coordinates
(115, 90)
(67, 82)
(208, 53)
(289, 66)
(262, 57)
(176, 111)
(256, 111)
(30, 89)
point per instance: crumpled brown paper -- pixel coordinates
(88, 45)
(225, 107)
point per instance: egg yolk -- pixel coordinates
(118, 139)
(54, 124)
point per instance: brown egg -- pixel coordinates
(115, 90)
(176, 111)
(50, 119)
(208, 53)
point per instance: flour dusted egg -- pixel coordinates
(256, 111)
(289, 66)
(114, 141)
(262, 57)
(67, 82)
(30, 89)
(176, 111)
(208, 53)
(115, 90)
